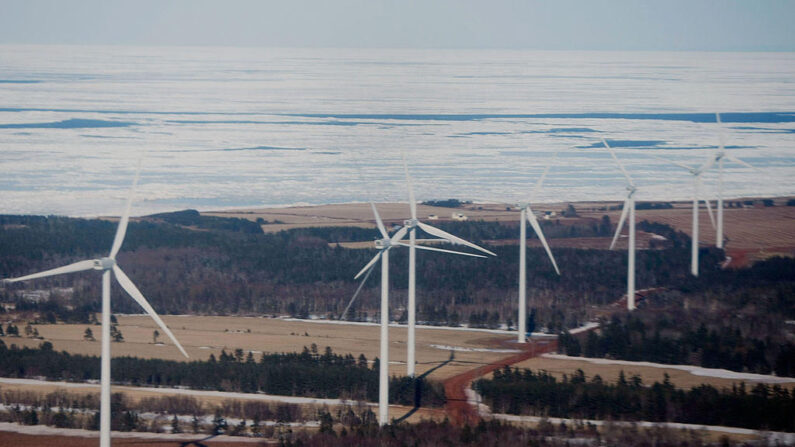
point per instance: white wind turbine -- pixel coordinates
(106, 265)
(719, 156)
(696, 173)
(629, 208)
(412, 224)
(383, 245)
(526, 217)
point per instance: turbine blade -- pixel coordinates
(412, 200)
(681, 165)
(121, 230)
(369, 264)
(423, 247)
(709, 211)
(719, 151)
(537, 228)
(136, 294)
(399, 234)
(620, 165)
(71, 268)
(621, 220)
(738, 161)
(540, 181)
(378, 221)
(454, 239)
(359, 289)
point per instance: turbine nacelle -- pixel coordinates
(411, 223)
(383, 244)
(104, 264)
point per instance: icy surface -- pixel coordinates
(226, 127)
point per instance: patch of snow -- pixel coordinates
(463, 349)
(586, 327)
(396, 325)
(695, 370)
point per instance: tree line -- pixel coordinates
(311, 374)
(538, 393)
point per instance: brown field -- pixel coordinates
(203, 335)
(754, 228)
(609, 373)
(758, 232)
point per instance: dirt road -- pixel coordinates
(457, 408)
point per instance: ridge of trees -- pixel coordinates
(538, 393)
(309, 373)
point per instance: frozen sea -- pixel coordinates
(247, 127)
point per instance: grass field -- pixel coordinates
(202, 335)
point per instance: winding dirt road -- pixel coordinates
(457, 408)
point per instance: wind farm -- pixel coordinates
(445, 353)
(395, 224)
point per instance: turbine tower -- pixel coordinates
(412, 225)
(527, 216)
(629, 208)
(383, 245)
(719, 156)
(696, 173)
(107, 265)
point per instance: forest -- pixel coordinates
(309, 373)
(228, 269)
(538, 393)
(738, 322)
(220, 271)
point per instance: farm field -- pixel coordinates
(203, 335)
(755, 232)
(209, 399)
(473, 348)
(610, 372)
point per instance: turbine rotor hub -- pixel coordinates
(104, 263)
(383, 244)
(410, 223)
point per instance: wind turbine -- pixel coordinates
(629, 207)
(106, 265)
(696, 173)
(412, 225)
(383, 245)
(719, 156)
(527, 216)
